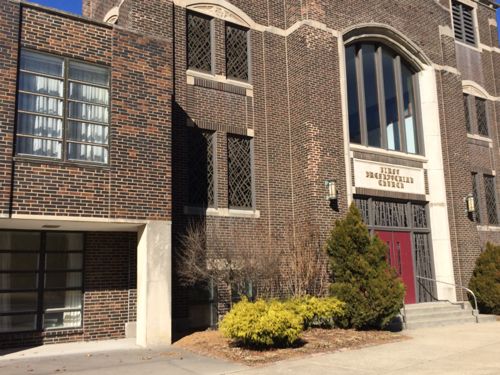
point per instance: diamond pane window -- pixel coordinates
(468, 124)
(475, 194)
(463, 23)
(236, 52)
(201, 168)
(239, 172)
(199, 42)
(482, 117)
(491, 199)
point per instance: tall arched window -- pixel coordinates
(382, 99)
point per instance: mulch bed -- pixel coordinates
(314, 341)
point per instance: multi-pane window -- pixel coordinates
(382, 99)
(63, 109)
(491, 199)
(236, 52)
(199, 42)
(202, 168)
(463, 22)
(476, 115)
(40, 280)
(239, 155)
(475, 194)
(482, 117)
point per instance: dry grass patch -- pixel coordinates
(314, 341)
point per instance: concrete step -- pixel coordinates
(484, 318)
(439, 315)
(439, 322)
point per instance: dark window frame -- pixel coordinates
(252, 173)
(464, 23)
(212, 42)
(65, 141)
(491, 201)
(472, 115)
(398, 62)
(477, 200)
(40, 289)
(228, 25)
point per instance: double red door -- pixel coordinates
(400, 258)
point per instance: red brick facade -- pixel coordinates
(292, 109)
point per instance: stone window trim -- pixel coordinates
(400, 60)
(65, 118)
(463, 15)
(222, 212)
(477, 116)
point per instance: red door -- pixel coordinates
(400, 257)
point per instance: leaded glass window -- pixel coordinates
(423, 262)
(482, 117)
(475, 194)
(236, 52)
(199, 42)
(62, 116)
(239, 155)
(463, 23)
(468, 119)
(491, 199)
(201, 169)
(382, 99)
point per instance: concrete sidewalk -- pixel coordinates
(465, 349)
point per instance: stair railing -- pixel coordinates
(476, 310)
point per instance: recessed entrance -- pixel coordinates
(400, 258)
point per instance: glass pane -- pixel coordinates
(20, 241)
(18, 281)
(62, 261)
(18, 262)
(352, 93)
(88, 112)
(40, 104)
(89, 73)
(371, 96)
(391, 103)
(64, 299)
(64, 241)
(409, 108)
(39, 147)
(17, 323)
(39, 125)
(83, 132)
(63, 280)
(87, 93)
(40, 85)
(87, 153)
(40, 63)
(18, 302)
(69, 319)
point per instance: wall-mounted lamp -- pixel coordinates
(470, 204)
(331, 188)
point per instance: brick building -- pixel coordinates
(119, 127)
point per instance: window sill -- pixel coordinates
(380, 151)
(480, 138)
(488, 228)
(68, 163)
(222, 212)
(192, 74)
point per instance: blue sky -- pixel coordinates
(75, 6)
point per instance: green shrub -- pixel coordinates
(485, 281)
(361, 275)
(318, 312)
(262, 324)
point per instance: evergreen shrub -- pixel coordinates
(485, 281)
(326, 312)
(361, 275)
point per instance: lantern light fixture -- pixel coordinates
(331, 188)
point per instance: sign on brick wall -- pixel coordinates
(388, 177)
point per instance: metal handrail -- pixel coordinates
(476, 311)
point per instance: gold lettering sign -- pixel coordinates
(390, 178)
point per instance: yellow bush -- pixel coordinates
(262, 324)
(319, 312)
